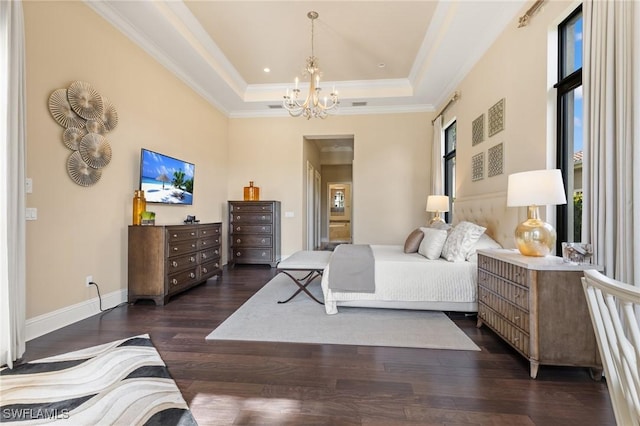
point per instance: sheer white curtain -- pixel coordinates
(611, 136)
(12, 178)
(436, 159)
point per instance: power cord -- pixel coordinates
(100, 299)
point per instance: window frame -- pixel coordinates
(564, 161)
(449, 160)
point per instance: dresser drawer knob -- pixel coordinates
(264, 228)
(193, 234)
(174, 264)
(204, 232)
(193, 246)
(238, 241)
(204, 243)
(264, 254)
(175, 235)
(216, 251)
(238, 254)
(205, 270)
(192, 275)
(192, 259)
(175, 249)
(238, 217)
(237, 228)
(264, 217)
(174, 281)
(204, 255)
(264, 241)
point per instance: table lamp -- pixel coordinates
(437, 204)
(534, 237)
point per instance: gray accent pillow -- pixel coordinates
(413, 241)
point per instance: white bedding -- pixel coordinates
(411, 281)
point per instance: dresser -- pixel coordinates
(537, 305)
(254, 232)
(165, 260)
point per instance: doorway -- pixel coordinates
(328, 161)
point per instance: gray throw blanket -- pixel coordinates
(352, 268)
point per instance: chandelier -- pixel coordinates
(312, 106)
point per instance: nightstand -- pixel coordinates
(538, 306)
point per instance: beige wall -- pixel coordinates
(83, 230)
(390, 170)
(514, 68)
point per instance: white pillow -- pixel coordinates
(432, 243)
(485, 242)
(461, 241)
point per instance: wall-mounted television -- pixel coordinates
(165, 179)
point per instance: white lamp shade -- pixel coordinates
(536, 188)
(438, 203)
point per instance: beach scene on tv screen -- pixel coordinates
(165, 179)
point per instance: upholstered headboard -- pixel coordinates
(491, 211)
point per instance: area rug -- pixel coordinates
(302, 320)
(119, 383)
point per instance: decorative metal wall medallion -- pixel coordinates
(477, 130)
(495, 160)
(80, 172)
(95, 150)
(72, 137)
(96, 126)
(496, 117)
(61, 111)
(477, 167)
(85, 100)
(86, 117)
(109, 115)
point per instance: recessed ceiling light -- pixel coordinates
(267, 70)
(382, 65)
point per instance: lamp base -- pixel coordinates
(535, 237)
(436, 219)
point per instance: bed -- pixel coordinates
(411, 281)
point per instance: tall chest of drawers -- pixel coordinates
(254, 232)
(165, 260)
(538, 306)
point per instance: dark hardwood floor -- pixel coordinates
(304, 384)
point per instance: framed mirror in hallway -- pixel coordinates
(339, 212)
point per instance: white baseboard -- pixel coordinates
(43, 324)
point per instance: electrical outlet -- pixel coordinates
(88, 280)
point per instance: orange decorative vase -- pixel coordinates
(139, 205)
(251, 193)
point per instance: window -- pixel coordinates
(569, 122)
(450, 138)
